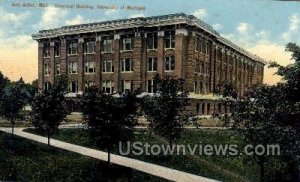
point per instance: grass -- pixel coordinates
(24, 160)
(224, 168)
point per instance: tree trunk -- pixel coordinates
(171, 142)
(262, 171)
(48, 135)
(12, 129)
(108, 155)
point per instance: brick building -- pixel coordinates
(126, 54)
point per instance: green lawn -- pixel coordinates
(24, 160)
(224, 168)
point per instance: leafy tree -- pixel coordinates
(49, 108)
(109, 119)
(165, 110)
(12, 102)
(270, 115)
(3, 82)
(226, 89)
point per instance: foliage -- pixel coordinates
(109, 119)
(226, 89)
(270, 115)
(49, 108)
(12, 102)
(3, 82)
(165, 110)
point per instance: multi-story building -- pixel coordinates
(126, 54)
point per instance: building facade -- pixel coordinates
(126, 54)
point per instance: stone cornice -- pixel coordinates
(155, 21)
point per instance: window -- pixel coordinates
(198, 46)
(90, 67)
(127, 43)
(46, 50)
(198, 108)
(126, 85)
(201, 68)
(197, 66)
(207, 48)
(150, 86)
(152, 64)
(152, 41)
(57, 49)
(206, 88)
(107, 45)
(127, 65)
(46, 85)
(89, 47)
(203, 46)
(88, 84)
(201, 87)
(170, 40)
(107, 66)
(73, 67)
(195, 87)
(72, 48)
(170, 63)
(73, 87)
(108, 86)
(58, 68)
(208, 109)
(47, 69)
(207, 68)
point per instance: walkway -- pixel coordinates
(152, 169)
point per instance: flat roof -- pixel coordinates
(153, 21)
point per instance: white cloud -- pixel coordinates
(110, 12)
(243, 27)
(7, 17)
(200, 13)
(136, 15)
(293, 30)
(52, 18)
(217, 26)
(75, 21)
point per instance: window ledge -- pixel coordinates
(152, 71)
(72, 54)
(169, 71)
(126, 71)
(166, 49)
(89, 53)
(123, 51)
(109, 52)
(151, 50)
(107, 72)
(57, 56)
(89, 73)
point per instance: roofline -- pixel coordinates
(154, 21)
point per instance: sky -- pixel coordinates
(262, 27)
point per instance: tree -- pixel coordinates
(109, 119)
(226, 89)
(3, 82)
(12, 102)
(49, 108)
(165, 110)
(270, 115)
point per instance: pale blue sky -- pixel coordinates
(260, 26)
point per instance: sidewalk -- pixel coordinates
(156, 170)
